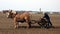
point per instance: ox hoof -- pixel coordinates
(29, 27)
(16, 27)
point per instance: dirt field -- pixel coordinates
(6, 26)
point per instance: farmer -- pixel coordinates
(46, 16)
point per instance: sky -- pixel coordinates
(30, 5)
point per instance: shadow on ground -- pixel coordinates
(35, 27)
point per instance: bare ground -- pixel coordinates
(6, 26)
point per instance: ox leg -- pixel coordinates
(28, 21)
(29, 24)
(15, 23)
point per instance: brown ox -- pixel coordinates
(5, 11)
(24, 17)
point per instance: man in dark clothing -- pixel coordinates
(48, 19)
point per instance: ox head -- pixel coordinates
(11, 14)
